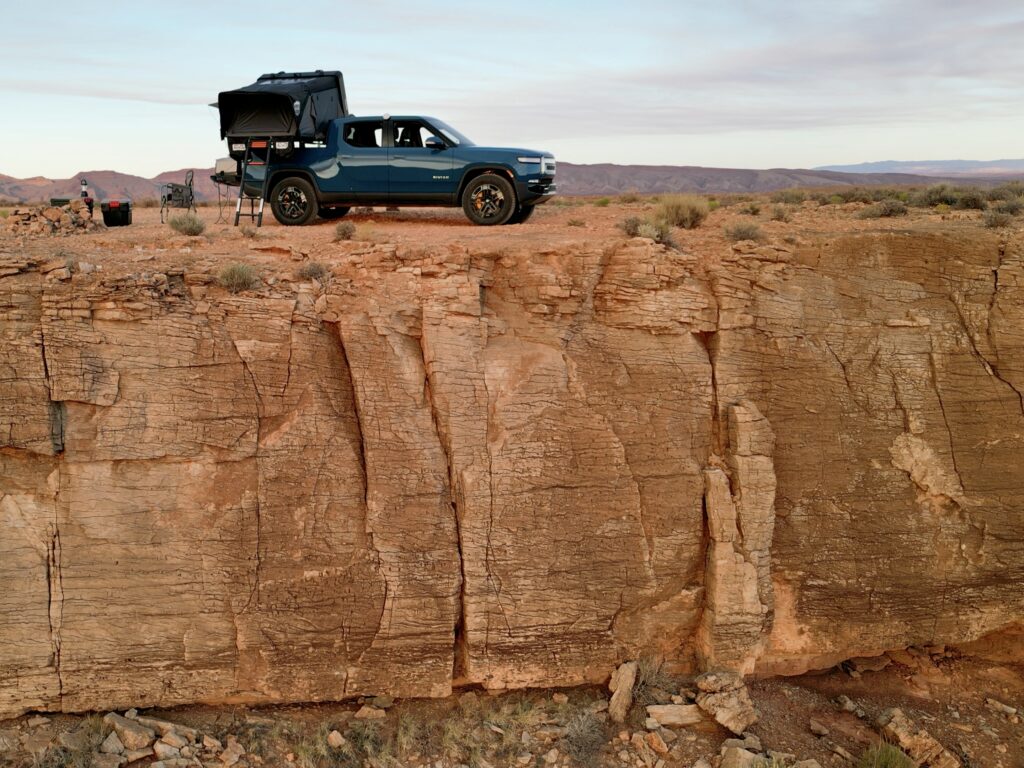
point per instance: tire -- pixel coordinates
(333, 213)
(524, 213)
(489, 199)
(293, 201)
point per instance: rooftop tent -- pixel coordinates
(296, 105)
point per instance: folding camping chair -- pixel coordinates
(177, 195)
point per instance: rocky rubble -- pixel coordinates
(51, 220)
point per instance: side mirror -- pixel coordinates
(434, 143)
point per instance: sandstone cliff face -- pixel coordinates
(509, 469)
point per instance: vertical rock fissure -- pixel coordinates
(55, 590)
(254, 593)
(443, 438)
(709, 341)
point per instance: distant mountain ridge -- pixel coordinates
(935, 167)
(573, 179)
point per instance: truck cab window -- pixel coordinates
(410, 133)
(366, 133)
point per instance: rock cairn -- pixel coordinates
(52, 220)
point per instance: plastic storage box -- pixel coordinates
(117, 212)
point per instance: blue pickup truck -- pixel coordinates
(404, 161)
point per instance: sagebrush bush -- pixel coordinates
(630, 226)
(745, 231)
(1011, 205)
(883, 755)
(584, 738)
(603, 202)
(187, 224)
(884, 209)
(780, 213)
(629, 197)
(238, 277)
(311, 270)
(344, 230)
(658, 230)
(789, 196)
(685, 211)
(995, 219)
(751, 209)
(971, 199)
(1007, 191)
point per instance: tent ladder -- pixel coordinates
(252, 158)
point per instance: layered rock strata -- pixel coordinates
(510, 469)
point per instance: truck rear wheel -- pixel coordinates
(489, 199)
(293, 201)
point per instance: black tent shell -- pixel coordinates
(295, 105)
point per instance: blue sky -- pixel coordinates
(124, 85)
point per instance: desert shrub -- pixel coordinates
(936, 194)
(835, 200)
(248, 231)
(884, 209)
(4, 213)
(651, 677)
(603, 202)
(658, 230)
(631, 225)
(745, 231)
(686, 211)
(751, 209)
(995, 219)
(344, 230)
(780, 213)
(629, 197)
(187, 224)
(789, 196)
(311, 270)
(883, 755)
(1011, 205)
(1006, 191)
(969, 198)
(238, 277)
(713, 204)
(576, 223)
(584, 738)
(942, 208)
(366, 740)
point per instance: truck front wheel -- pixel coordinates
(293, 201)
(489, 199)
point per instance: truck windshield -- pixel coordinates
(450, 133)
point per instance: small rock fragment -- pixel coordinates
(655, 742)
(165, 751)
(998, 706)
(133, 735)
(112, 745)
(335, 740)
(560, 698)
(818, 728)
(675, 715)
(621, 687)
(735, 757)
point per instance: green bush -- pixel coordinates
(996, 220)
(685, 211)
(658, 230)
(883, 755)
(187, 224)
(238, 277)
(344, 230)
(1007, 191)
(745, 231)
(311, 270)
(884, 209)
(1011, 205)
(603, 202)
(971, 199)
(789, 196)
(630, 226)
(780, 213)
(751, 209)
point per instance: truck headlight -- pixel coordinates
(529, 160)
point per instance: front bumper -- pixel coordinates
(536, 190)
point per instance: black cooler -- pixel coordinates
(117, 212)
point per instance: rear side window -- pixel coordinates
(364, 133)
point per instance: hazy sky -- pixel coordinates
(756, 84)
